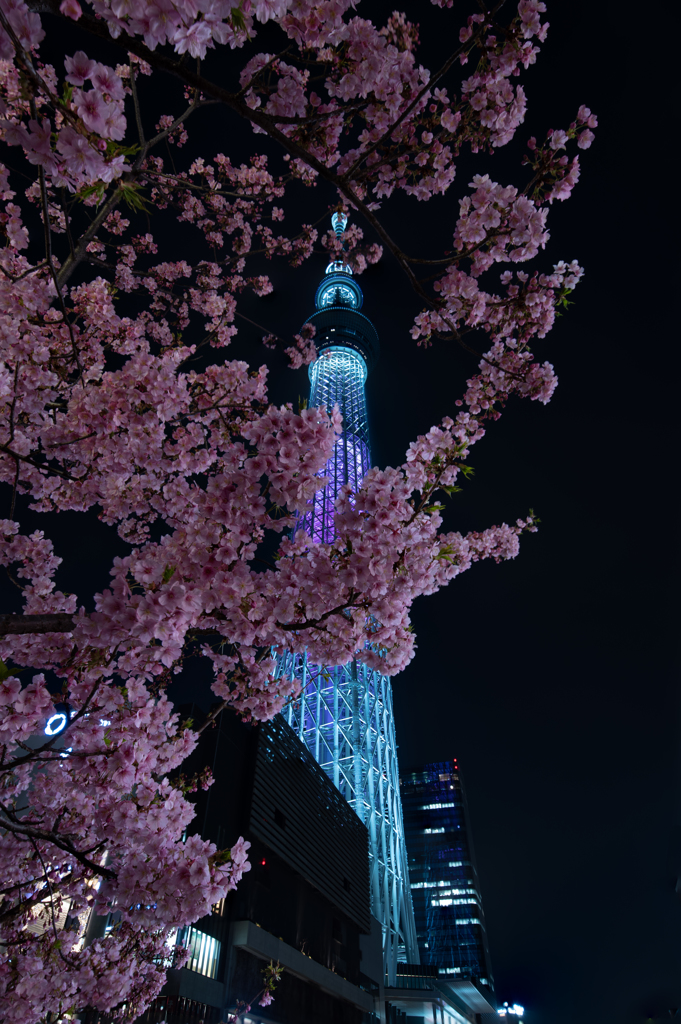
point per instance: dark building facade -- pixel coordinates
(305, 902)
(450, 923)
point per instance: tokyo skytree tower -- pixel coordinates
(344, 714)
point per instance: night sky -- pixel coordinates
(550, 678)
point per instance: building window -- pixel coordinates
(432, 831)
(449, 903)
(204, 951)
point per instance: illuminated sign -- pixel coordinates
(56, 723)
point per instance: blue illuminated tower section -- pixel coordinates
(344, 714)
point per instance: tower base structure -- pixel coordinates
(344, 716)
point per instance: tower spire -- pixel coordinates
(339, 222)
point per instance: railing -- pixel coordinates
(414, 983)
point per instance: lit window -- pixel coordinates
(338, 295)
(204, 951)
(449, 903)
(450, 970)
(432, 831)
(435, 807)
(460, 892)
(467, 920)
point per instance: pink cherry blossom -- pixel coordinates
(79, 68)
(71, 8)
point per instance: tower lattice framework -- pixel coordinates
(344, 714)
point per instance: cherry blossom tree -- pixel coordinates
(116, 395)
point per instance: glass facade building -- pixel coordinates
(450, 923)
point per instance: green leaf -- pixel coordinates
(4, 671)
(237, 19)
(450, 489)
(468, 471)
(93, 190)
(168, 573)
(133, 197)
(446, 553)
(114, 149)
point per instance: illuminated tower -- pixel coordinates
(344, 714)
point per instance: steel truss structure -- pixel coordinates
(337, 378)
(344, 714)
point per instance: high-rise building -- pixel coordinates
(344, 714)
(450, 923)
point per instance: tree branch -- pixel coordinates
(61, 842)
(54, 622)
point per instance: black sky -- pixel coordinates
(553, 679)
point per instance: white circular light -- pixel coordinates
(55, 724)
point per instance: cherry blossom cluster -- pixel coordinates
(103, 775)
(116, 396)
(371, 81)
(555, 174)
(188, 27)
(350, 249)
(499, 224)
(76, 145)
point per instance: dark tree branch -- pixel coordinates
(55, 622)
(61, 842)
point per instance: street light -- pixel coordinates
(516, 1010)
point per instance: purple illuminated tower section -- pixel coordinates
(344, 714)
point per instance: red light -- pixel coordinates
(263, 863)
